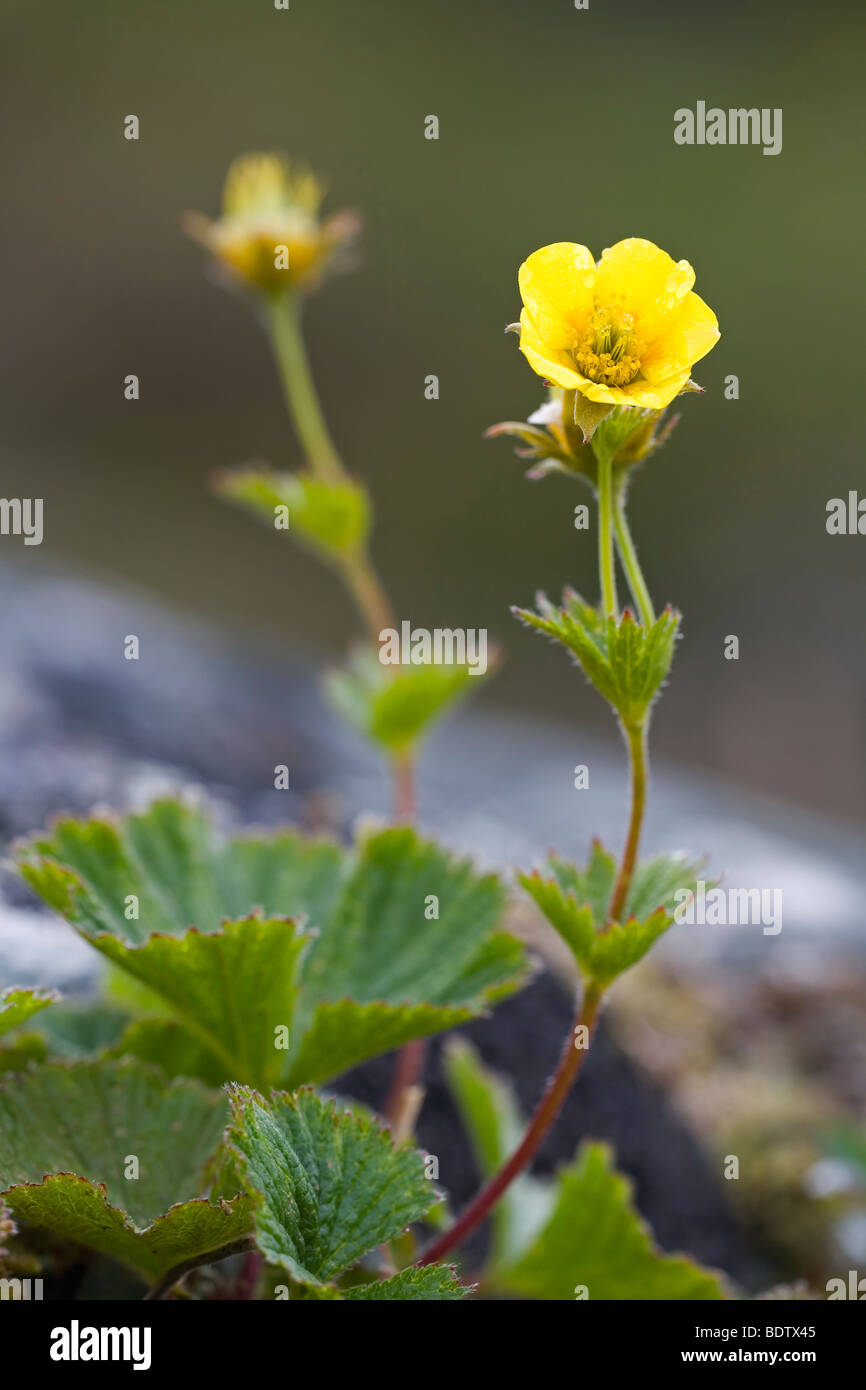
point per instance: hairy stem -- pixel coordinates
(605, 538)
(163, 1287)
(284, 324)
(628, 555)
(575, 1049)
(636, 739)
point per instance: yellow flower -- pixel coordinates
(623, 332)
(270, 234)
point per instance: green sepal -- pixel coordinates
(625, 661)
(332, 519)
(588, 415)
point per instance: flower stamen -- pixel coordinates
(609, 353)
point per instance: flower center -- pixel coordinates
(609, 353)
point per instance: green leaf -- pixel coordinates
(82, 1030)
(79, 1210)
(67, 1134)
(575, 902)
(396, 925)
(171, 1047)
(413, 925)
(626, 662)
(492, 1118)
(657, 883)
(436, 1282)
(393, 706)
(26, 1048)
(342, 1035)
(332, 519)
(179, 872)
(17, 1005)
(602, 953)
(329, 1187)
(595, 1240)
(233, 989)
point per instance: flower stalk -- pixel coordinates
(605, 538)
(636, 741)
(628, 556)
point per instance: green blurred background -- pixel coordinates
(555, 125)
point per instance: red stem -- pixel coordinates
(636, 739)
(546, 1112)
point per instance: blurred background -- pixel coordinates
(555, 124)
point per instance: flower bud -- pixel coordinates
(270, 234)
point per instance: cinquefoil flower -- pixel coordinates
(626, 331)
(270, 234)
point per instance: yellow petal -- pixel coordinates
(688, 336)
(556, 286)
(554, 364)
(656, 395)
(637, 277)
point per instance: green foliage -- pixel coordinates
(575, 901)
(626, 662)
(24, 1049)
(331, 519)
(328, 1187)
(399, 940)
(432, 1283)
(594, 1240)
(551, 1237)
(67, 1134)
(18, 1005)
(394, 706)
(82, 1030)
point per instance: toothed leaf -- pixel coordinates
(18, 1005)
(69, 1133)
(329, 1187)
(626, 662)
(594, 1240)
(394, 706)
(332, 519)
(395, 923)
(433, 1282)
